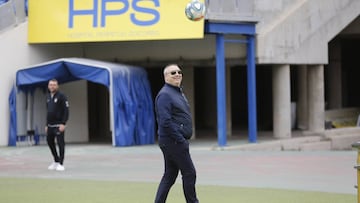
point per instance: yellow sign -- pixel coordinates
(110, 20)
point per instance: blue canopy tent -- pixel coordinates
(131, 109)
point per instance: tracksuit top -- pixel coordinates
(173, 115)
(57, 109)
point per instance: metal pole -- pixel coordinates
(357, 167)
(221, 89)
(251, 83)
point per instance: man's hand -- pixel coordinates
(62, 127)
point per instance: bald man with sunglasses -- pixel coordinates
(174, 129)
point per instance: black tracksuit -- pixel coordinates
(174, 128)
(57, 113)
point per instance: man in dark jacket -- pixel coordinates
(174, 129)
(57, 116)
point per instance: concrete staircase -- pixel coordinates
(342, 138)
(334, 139)
(12, 13)
(291, 32)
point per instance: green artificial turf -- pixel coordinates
(17, 190)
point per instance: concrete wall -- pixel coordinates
(298, 31)
(11, 14)
(231, 10)
(290, 31)
(77, 126)
(166, 50)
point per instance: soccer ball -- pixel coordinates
(195, 10)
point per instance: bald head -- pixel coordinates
(173, 75)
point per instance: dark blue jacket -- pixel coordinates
(173, 115)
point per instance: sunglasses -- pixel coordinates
(174, 72)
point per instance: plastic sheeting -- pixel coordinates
(132, 114)
(13, 122)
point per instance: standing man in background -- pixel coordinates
(57, 116)
(174, 129)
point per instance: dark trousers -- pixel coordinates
(52, 133)
(177, 157)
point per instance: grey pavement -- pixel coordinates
(326, 171)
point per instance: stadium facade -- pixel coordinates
(261, 65)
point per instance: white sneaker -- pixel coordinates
(53, 166)
(60, 167)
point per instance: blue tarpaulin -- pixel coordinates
(13, 123)
(132, 113)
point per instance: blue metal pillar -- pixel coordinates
(221, 29)
(221, 89)
(251, 80)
